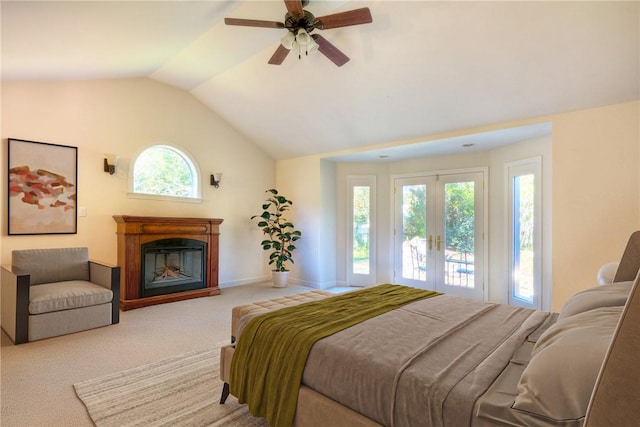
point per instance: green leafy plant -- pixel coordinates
(281, 233)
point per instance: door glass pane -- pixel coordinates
(459, 242)
(414, 224)
(361, 221)
(523, 228)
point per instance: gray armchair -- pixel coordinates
(51, 292)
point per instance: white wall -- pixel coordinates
(327, 276)
(122, 117)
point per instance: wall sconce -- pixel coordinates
(110, 163)
(215, 179)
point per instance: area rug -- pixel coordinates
(183, 390)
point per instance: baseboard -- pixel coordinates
(315, 285)
(292, 281)
(244, 281)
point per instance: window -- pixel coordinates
(163, 170)
(361, 225)
(525, 234)
(361, 239)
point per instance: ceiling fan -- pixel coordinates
(300, 23)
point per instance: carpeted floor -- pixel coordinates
(37, 378)
(183, 390)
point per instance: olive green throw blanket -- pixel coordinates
(270, 356)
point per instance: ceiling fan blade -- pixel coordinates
(344, 19)
(294, 7)
(253, 23)
(279, 55)
(330, 51)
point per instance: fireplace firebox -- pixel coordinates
(172, 265)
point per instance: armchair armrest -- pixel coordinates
(15, 304)
(107, 276)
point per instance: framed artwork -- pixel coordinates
(42, 188)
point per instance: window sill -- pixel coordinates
(159, 197)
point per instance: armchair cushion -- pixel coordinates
(52, 265)
(66, 295)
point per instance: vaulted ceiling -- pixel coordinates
(421, 68)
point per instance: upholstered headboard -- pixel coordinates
(630, 260)
(616, 397)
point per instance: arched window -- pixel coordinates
(163, 170)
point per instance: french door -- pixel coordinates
(439, 233)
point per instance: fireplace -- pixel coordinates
(166, 259)
(172, 265)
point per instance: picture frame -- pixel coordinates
(42, 193)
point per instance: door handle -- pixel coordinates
(438, 241)
(430, 242)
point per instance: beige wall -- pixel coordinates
(595, 192)
(123, 117)
(312, 181)
(595, 182)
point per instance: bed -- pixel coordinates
(450, 361)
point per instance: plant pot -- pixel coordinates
(280, 278)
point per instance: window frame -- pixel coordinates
(530, 166)
(359, 279)
(196, 176)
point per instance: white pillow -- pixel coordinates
(607, 273)
(613, 295)
(559, 379)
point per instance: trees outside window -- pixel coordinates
(165, 171)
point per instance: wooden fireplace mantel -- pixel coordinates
(134, 231)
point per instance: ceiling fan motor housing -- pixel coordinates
(293, 22)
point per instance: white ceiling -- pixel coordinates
(421, 68)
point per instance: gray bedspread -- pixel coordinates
(424, 364)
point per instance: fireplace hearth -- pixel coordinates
(165, 259)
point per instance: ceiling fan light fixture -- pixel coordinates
(304, 42)
(302, 37)
(288, 40)
(311, 44)
(299, 41)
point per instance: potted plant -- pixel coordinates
(281, 235)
